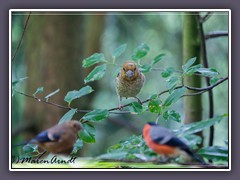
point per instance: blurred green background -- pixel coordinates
(55, 44)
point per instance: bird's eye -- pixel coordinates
(124, 69)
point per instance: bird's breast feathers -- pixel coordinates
(127, 88)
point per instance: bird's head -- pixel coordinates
(129, 71)
(152, 123)
(75, 125)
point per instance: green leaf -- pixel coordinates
(30, 148)
(117, 52)
(175, 96)
(135, 108)
(88, 133)
(154, 96)
(97, 73)
(209, 72)
(213, 80)
(39, 90)
(193, 69)
(115, 155)
(140, 51)
(216, 153)
(158, 58)
(14, 83)
(93, 59)
(71, 95)
(192, 128)
(192, 140)
(145, 68)
(67, 116)
(77, 146)
(154, 106)
(133, 147)
(189, 63)
(96, 115)
(166, 73)
(172, 83)
(172, 115)
(51, 94)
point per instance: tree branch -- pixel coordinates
(63, 107)
(208, 87)
(206, 17)
(205, 63)
(112, 110)
(20, 42)
(216, 34)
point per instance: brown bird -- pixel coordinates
(60, 138)
(129, 82)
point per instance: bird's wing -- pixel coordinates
(175, 141)
(161, 135)
(41, 137)
(165, 136)
(45, 136)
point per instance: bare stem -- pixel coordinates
(20, 41)
(216, 34)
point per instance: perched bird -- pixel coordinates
(129, 82)
(163, 141)
(58, 139)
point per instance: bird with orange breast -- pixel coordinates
(164, 142)
(58, 139)
(129, 82)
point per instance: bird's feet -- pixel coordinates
(120, 107)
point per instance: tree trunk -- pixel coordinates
(191, 48)
(53, 45)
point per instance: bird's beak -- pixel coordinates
(129, 74)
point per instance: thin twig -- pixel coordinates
(205, 63)
(206, 17)
(216, 34)
(194, 94)
(20, 42)
(63, 107)
(112, 110)
(208, 87)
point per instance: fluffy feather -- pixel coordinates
(129, 81)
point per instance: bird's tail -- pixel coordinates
(196, 157)
(20, 144)
(24, 143)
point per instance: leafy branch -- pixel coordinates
(112, 110)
